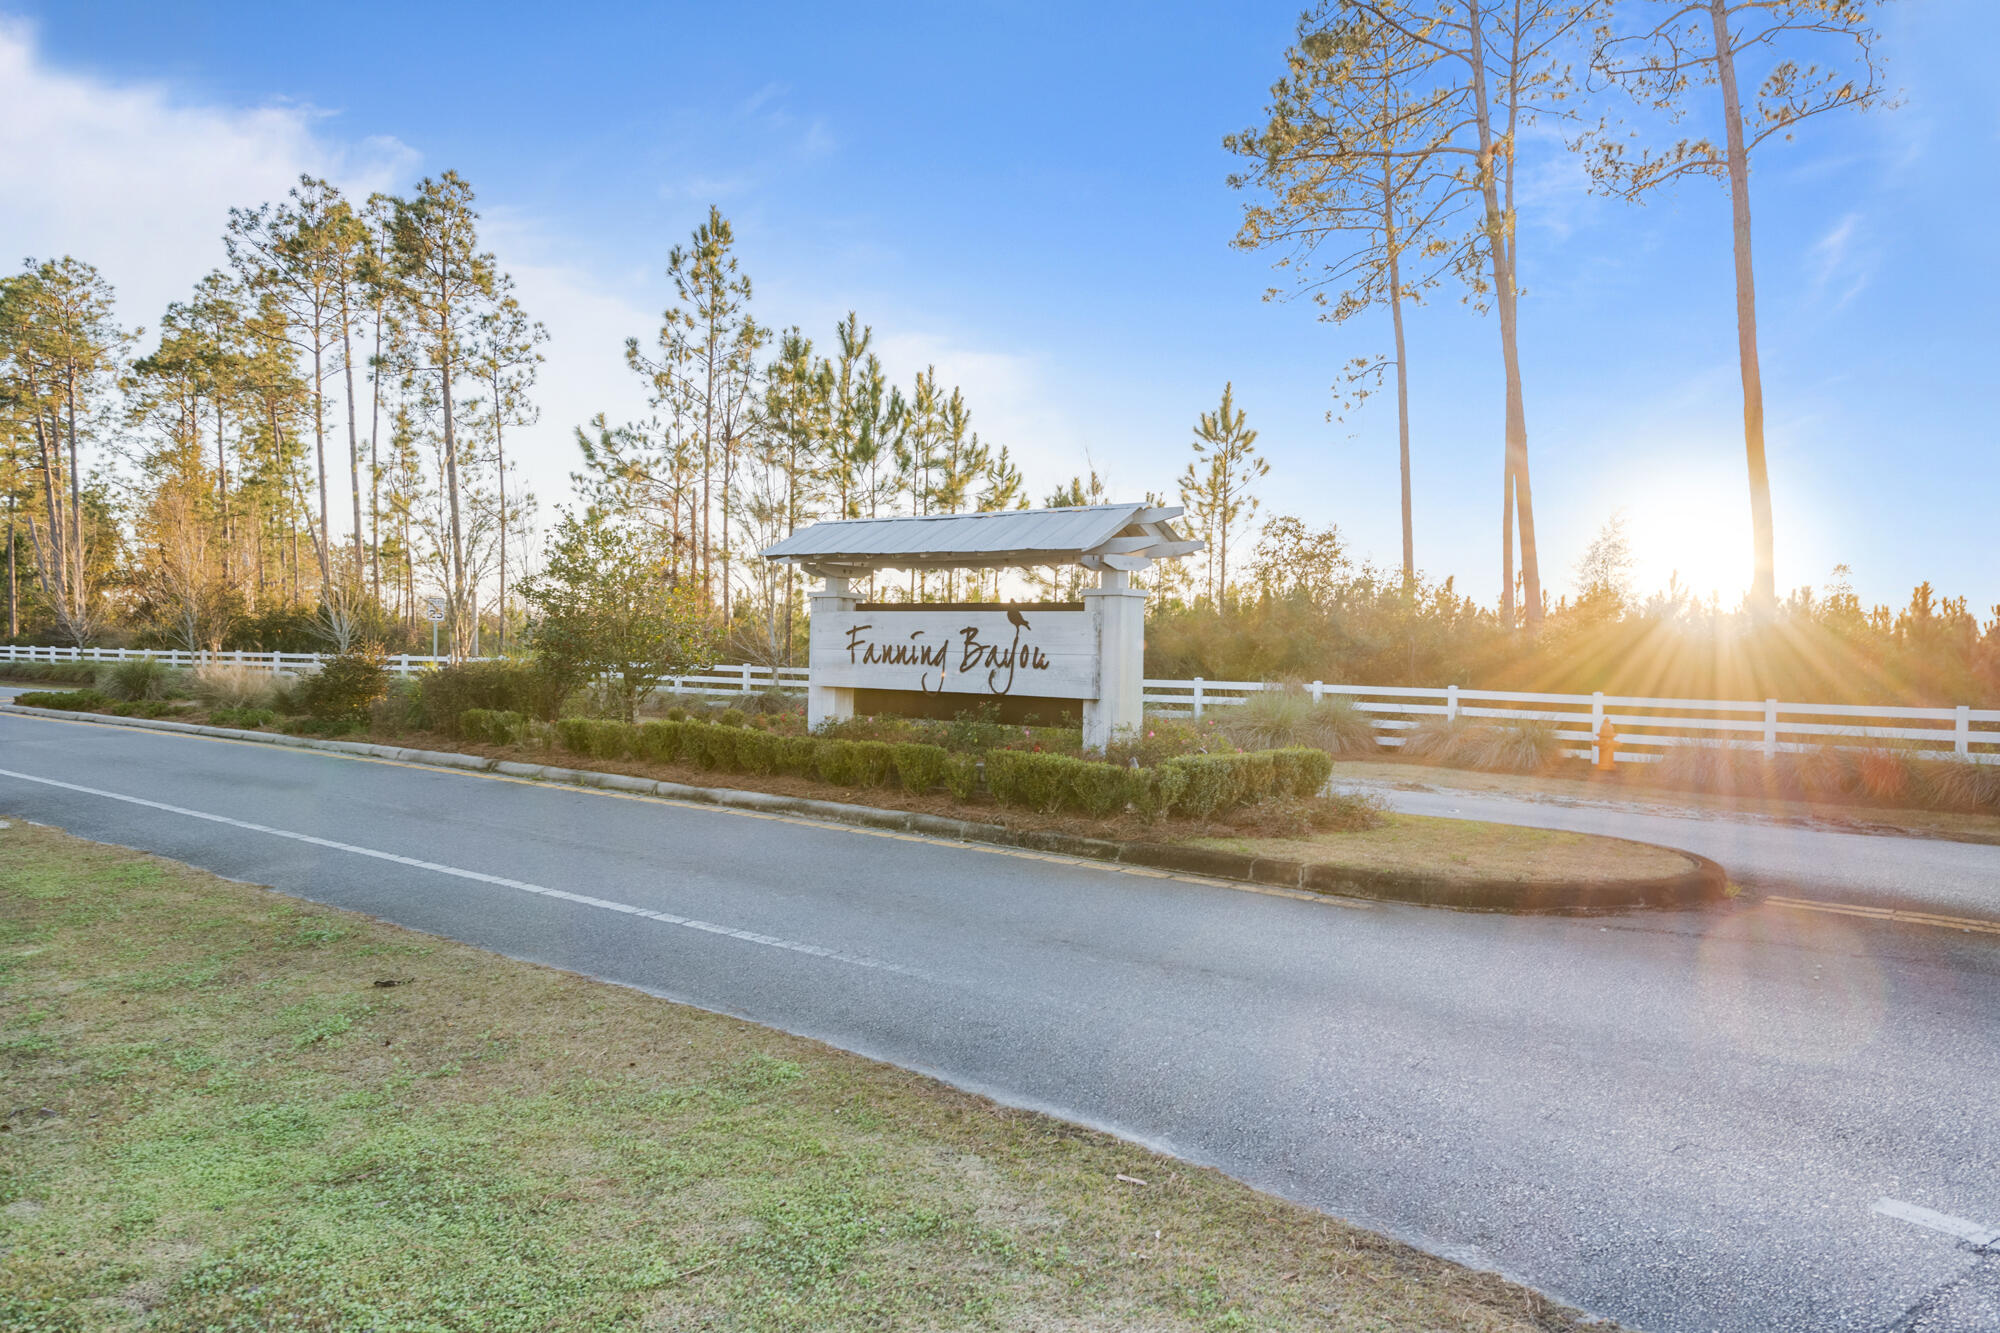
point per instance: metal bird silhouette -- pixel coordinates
(1014, 617)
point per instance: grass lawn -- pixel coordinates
(225, 1109)
(1626, 787)
(1468, 850)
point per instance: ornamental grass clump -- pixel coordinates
(1287, 716)
(1956, 783)
(141, 678)
(1438, 739)
(224, 686)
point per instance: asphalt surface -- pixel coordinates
(1774, 855)
(1683, 1121)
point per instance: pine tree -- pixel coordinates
(1217, 493)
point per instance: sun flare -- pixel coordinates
(1695, 530)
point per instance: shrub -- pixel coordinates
(756, 752)
(71, 701)
(660, 742)
(347, 686)
(731, 717)
(1214, 782)
(141, 708)
(613, 740)
(921, 767)
(1028, 779)
(961, 775)
(401, 709)
(141, 678)
(714, 746)
(492, 727)
(877, 760)
(798, 756)
(1159, 791)
(838, 762)
(503, 686)
(1099, 789)
(573, 734)
(1302, 770)
(223, 686)
(677, 715)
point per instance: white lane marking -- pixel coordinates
(1972, 1233)
(564, 895)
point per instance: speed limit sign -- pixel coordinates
(434, 608)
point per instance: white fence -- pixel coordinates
(1646, 727)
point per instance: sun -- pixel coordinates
(1696, 529)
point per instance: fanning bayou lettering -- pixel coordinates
(1001, 663)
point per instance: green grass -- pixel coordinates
(222, 1109)
(1469, 850)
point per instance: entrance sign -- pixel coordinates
(986, 652)
(993, 653)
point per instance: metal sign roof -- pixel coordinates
(1120, 536)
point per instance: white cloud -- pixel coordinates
(1841, 268)
(139, 183)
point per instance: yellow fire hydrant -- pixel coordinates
(1607, 746)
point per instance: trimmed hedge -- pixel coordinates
(1198, 785)
(73, 701)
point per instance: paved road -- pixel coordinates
(1927, 874)
(1682, 1121)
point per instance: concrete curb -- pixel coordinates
(1705, 881)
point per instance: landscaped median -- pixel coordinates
(230, 1110)
(1254, 817)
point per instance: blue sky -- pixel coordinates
(1032, 197)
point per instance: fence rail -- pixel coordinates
(1647, 727)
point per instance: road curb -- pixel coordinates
(1704, 881)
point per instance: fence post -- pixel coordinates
(1961, 739)
(1197, 698)
(746, 678)
(1596, 714)
(1317, 687)
(1451, 703)
(1770, 728)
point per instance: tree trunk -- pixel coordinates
(321, 548)
(353, 436)
(222, 490)
(1499, 239)
(375, 462)
(13, 584)
(73, 602)
(1763, 582)
(500, 459)
(1394, 248)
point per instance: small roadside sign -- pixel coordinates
(434, 608)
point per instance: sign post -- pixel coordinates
(434, 608)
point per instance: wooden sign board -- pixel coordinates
(989, 654)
